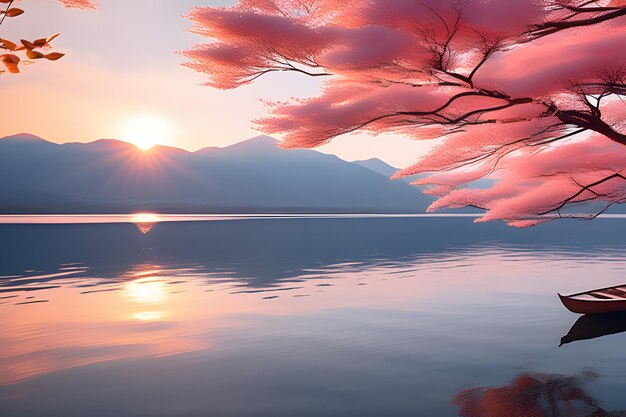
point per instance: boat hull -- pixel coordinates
(592, 307)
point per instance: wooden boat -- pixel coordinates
(603, 300)
(592, 326)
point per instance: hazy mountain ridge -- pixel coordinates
(254, 175)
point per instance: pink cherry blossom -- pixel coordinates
(79, 4)
(526, 93)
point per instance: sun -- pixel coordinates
(145, 218)
(146, 130)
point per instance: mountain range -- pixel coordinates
(111, 176)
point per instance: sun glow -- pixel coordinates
(145, 131)
(145, 218)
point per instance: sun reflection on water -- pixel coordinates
(152, 309)
(148, 315)
(146, 291)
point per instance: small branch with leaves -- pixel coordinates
(31, 49)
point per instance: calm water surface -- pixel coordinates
(371, 316)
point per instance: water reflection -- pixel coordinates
(263, 254)
(111, 322)
(534, 395)
(145, 222)
(592, 326)
(145, 228)
(146, 290)
(367, 317)
(148, 315)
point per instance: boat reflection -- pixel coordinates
(534, 395)
(592, 326)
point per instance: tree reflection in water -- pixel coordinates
(534, 395)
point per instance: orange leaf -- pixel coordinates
(40, 42)
(11, 61)
(52, 37)
(8, 44)
(14, 11)
(10, 58)
(34, 54)
(27, 44)
(53, 56)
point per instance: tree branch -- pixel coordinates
(4, 15)
(591, 122)
(548, 28)
(583, 189)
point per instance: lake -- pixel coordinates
(304, 316)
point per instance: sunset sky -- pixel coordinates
(122, 68)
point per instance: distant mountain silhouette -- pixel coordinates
(37, 176)
(377, 165)
(383, 168)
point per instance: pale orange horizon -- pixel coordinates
(105, 82)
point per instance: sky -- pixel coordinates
(122, 68)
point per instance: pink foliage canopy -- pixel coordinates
(78, 4)
(528, 93)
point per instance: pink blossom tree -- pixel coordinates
(526, 92)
